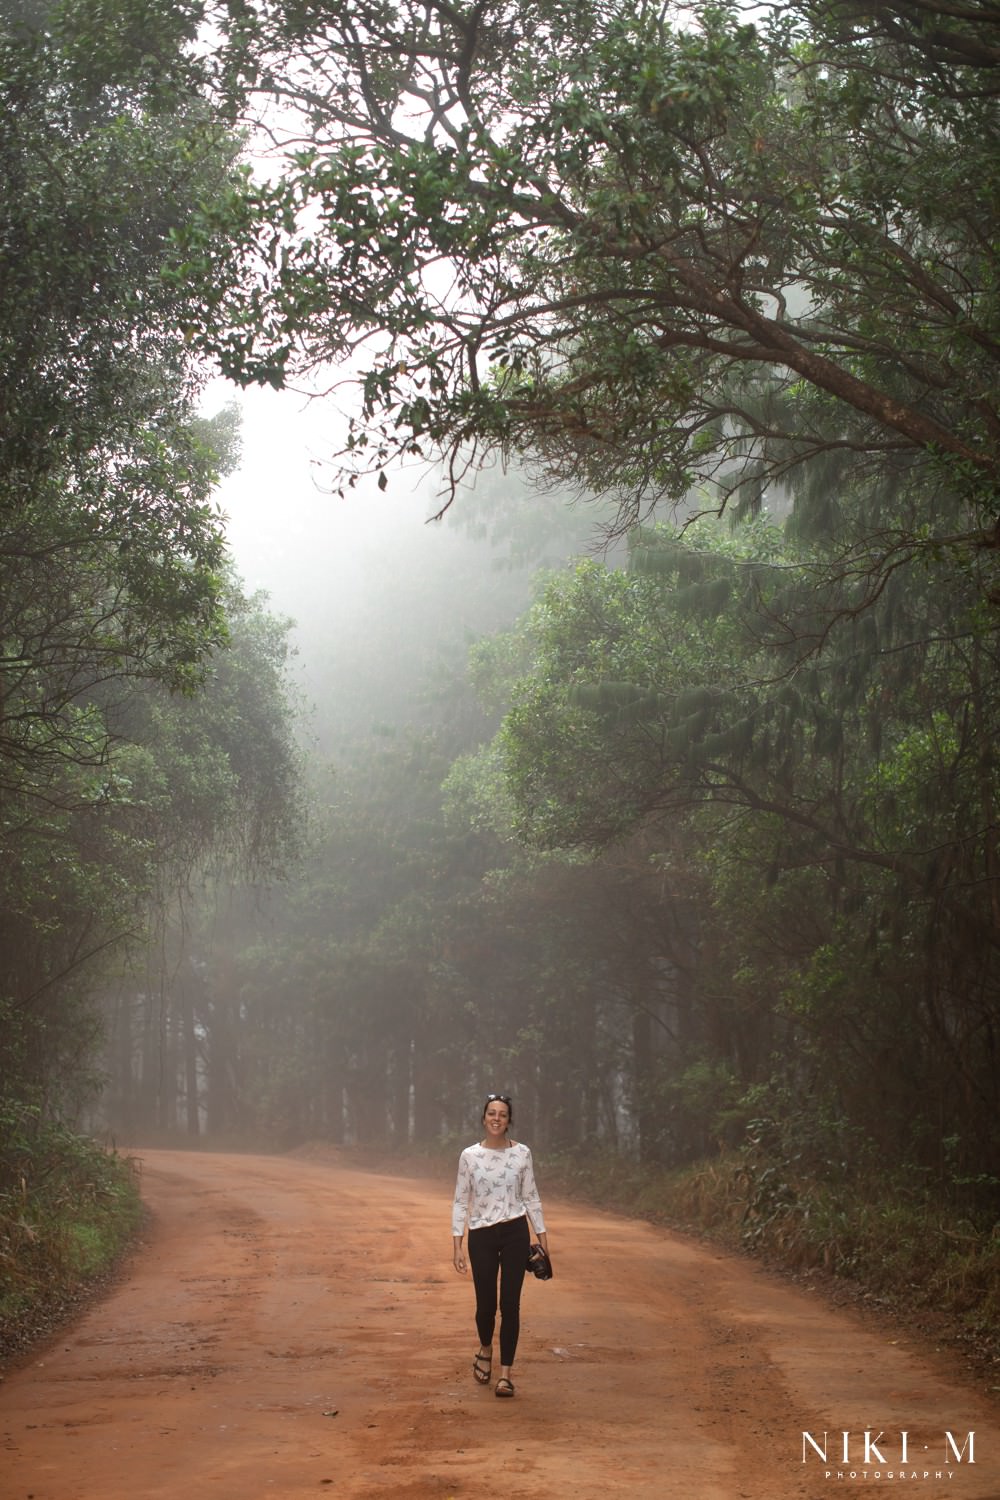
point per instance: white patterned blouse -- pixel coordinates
(494, 1186)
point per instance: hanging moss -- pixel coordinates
(704, 600)
(624, 701)
(695, 700)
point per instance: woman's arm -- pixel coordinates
(460, 1212)
(531, 1199)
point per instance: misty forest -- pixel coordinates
(606, 709)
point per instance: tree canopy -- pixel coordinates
(112, 551)
(650, 251)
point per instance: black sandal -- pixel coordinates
(505, 1387)
(481, 1374)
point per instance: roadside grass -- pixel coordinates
(68, 1210)
(915, 1258)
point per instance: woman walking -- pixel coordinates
(494, 1197)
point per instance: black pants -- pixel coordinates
(499, 1249)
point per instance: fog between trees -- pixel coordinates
(691, 844)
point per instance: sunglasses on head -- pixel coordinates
(498, 1099)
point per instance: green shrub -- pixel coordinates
(68, 1208)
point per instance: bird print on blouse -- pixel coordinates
(494, 1186)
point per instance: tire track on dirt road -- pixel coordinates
(294, 1327)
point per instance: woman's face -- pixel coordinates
(496, 1118)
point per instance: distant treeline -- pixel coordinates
(701, 848)
(710, 880)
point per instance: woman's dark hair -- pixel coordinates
(499, 1099)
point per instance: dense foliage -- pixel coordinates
(702, 852)
(143, 720)
(836, 815)
(750, 266)
(644, 249)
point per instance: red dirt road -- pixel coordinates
(295, 1328)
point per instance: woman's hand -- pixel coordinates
(458, 1257)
